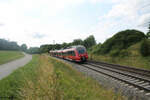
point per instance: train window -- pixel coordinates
(73, 53)
(65, 54)
(69, 53)
(81, 50)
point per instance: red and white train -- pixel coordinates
(75, 53)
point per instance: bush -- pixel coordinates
(95, 48)
(122, 40)
(123, 53)
(145, 47)
(114, 53)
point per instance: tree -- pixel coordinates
(77, 42)
(44, 48)
(89, 41)
(145, 47)
(122, 40)
(148, 33)
(64, 45)
(33, 50)
(24, 47)
(8, 45)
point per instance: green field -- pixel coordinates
(6, 56)
(45, 78)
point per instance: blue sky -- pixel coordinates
(37, 22)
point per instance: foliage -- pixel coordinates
(23, 47)
(8, 45)
(48, 47)
(33, 50)
(94, 49)
(44, 48)
(128, 57)
(89, 41)
(124, 53)
(121, 40)
(145, 47)
(6, 56)
(77, 42)
(114, 53)
(148, 33)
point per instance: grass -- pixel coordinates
(6, 56)
(73, 85)
(11, 85)
(45, 78)
(134, 59)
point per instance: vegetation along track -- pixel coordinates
(138, 78)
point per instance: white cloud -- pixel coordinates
(144, 19)
(22, 18)
(125, 14)
(45, 7)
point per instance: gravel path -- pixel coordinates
(6, 69)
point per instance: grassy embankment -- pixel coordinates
(133, 58)
(45, 78)
(6, 56)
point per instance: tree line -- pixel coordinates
(121, 40)
(88, 43)
(117, 45)
(11, 45)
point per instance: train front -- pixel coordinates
(82, 53)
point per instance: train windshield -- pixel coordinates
(81, 50)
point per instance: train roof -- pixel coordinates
(77, 46)
(68, 49)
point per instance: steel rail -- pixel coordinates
(124, 68)
(126, 74)
(120, 79)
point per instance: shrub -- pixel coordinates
(114, 53)
(145, 47)
(95, 48)
(123, 53)
(121, 40)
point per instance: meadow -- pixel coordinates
(45, 78)
(6, 56)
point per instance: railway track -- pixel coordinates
(138, 71)
(134, 77)
(138, 78)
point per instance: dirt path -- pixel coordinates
(6, 69)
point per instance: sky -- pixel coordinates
(37, 22)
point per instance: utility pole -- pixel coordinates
(53, 42)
